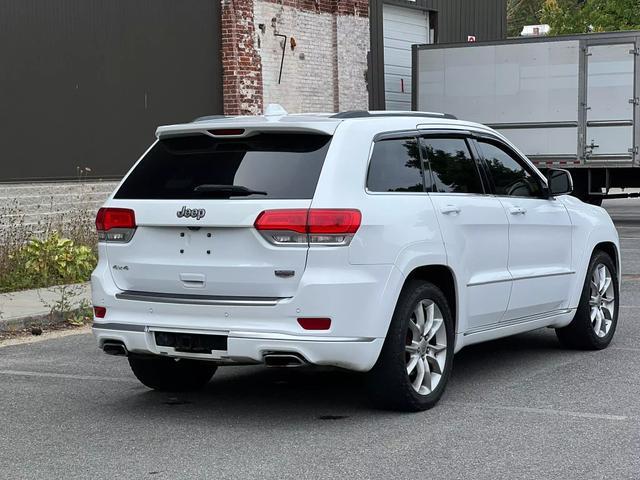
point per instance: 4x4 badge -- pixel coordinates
(196, 213)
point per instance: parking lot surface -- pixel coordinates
(520, 407)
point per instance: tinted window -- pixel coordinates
(509, 176)
(395, 167)
(280, 165)
(453, 169)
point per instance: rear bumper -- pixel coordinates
(243, 347)
(359, 299)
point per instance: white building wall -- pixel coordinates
(352, 47)
(325, 71)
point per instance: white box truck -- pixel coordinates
(568, 101)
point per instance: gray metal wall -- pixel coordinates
(486, 19)
(456, 19)
(84, 83)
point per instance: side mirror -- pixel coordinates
(559, 182)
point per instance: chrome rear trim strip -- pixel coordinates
(185, 299)
(295, 338)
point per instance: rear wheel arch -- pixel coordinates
(443, 278)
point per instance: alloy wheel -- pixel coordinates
(602, 300)
(426, 347)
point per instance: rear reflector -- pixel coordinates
(332, 227)
(315, 323)
(99, 312)
(115, 224)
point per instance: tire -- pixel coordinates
(389, 383)
(171, 375)
(581, 332)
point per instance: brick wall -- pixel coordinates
(324, 65)
(241, 67)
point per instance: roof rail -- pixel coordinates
(209, 117)
(366, 114)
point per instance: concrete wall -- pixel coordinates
(29, 209)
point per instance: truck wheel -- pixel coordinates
(415, 363)
(597, 315)
(171, 375)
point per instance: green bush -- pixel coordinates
(54, 260)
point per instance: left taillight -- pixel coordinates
(115, 225)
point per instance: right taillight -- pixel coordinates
(115, 224)
(329, 227)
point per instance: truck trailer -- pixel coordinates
(566, 101)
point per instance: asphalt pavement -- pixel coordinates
(517, 408)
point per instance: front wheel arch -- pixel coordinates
(610, 249)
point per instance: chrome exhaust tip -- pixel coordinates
(284, 360)
(115, 348)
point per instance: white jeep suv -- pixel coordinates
(379, 242)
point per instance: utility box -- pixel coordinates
(569, 101)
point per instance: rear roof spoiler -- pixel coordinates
(249, 127)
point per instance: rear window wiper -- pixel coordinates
(230, 190)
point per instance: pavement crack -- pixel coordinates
(546, 411)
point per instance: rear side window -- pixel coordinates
(267, 165)
(453, 169)
(395, 167)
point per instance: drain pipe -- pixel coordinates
(284, 48)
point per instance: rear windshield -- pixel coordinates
(267, 165)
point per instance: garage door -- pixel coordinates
(84, 83)
(402, 28)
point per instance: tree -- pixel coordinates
(570, 16)
(521, 13)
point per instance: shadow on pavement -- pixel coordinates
(324, 394)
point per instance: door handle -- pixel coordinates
(449, 209)
(517, 211)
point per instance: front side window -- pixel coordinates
(453, 169)
(509, 176)
(395, 167)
